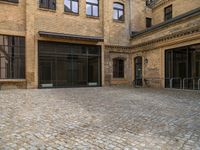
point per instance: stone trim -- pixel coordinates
(195, 12)
(169, 37)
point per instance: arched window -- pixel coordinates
(71, 6)
(118, 68)
(92, 8)
(118, 11)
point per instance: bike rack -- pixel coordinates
(185, 79)
(199, 84)
(171, 82)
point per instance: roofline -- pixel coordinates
(162, 25)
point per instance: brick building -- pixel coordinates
(79, 43)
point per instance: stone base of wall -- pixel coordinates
(4, 85)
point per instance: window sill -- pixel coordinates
(71, 13)
(92, 17)
(46, 9)
(119, 79)
(12, 80)
(9, 3)
(118, 21)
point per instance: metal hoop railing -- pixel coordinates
(171, 82)
(193, 82)
(199, 84)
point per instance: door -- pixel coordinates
(138, 71)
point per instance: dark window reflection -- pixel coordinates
(66, 65)
(12, 57)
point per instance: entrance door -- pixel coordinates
(138, 71)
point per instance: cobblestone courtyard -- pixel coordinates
(99, 118)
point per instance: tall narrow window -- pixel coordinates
(12, 1)
(118, 11)
(168, 13)
(12, 57)
(148, 22)
(71, 6)
(92, 8)
(118, 68)
(48, 4)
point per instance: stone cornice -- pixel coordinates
(169, 37)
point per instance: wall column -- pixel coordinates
(31, 67)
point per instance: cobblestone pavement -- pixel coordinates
(99, 118)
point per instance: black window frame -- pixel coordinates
(12, 52)
(11, 1)
(168, 13)
(71, 11)
(118, 67)
(92, 5)
(47, 4)
(148, 22)
(118, 10)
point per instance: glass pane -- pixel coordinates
(95, 11)
(74, 7)
(88, 9)
(115, 16)
(92, 1)
(117, 5)
(121, 15)
(67, 5)
(93, 71)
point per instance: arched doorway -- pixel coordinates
(138, 71)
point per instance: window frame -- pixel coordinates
(118, 9)
(10, 1)
(92, 5)
(168, 15)
(13, 50)
(48, 6)
(71, 1)
(148, 22)
(118, 63)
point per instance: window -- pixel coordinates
(12, 57)
(92, 8)
(118, 11)
(118, 68)
(48, 4)
(71, 6)
(148, 22)
(12, 1)
(168, 13)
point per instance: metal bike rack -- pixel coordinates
(199, 84)
(186, 79)
(171, 82)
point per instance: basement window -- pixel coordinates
(48, 4)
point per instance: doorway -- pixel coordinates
(138, 71)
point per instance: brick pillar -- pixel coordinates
(31, 66)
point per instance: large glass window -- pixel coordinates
(48, 4)
(71, 6)
(182, 67)
(118, 68)
(67, 65)
(168, 13)
(12, 57)
(118, 11)
(92, 8)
